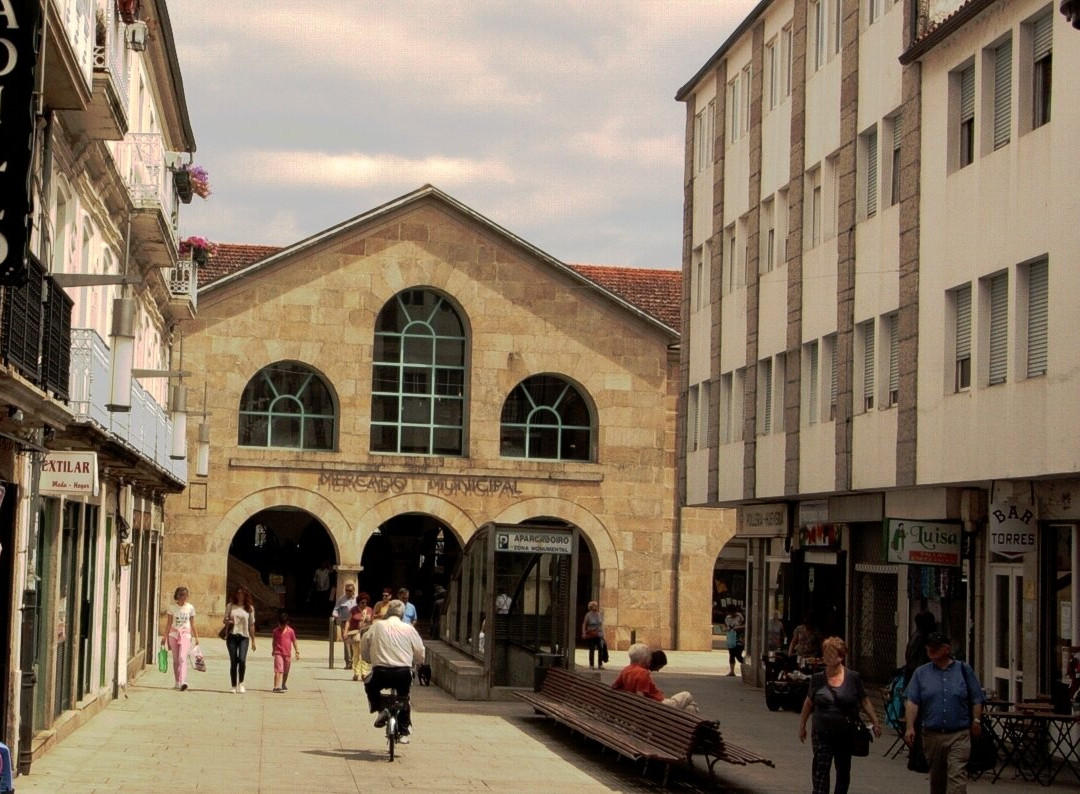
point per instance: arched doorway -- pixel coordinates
(411, 550)
(274, 554)
(729, 587)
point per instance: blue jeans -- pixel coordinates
(237, 646)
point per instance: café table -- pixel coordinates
(1036, 742)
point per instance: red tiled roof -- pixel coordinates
(656, 292)
(231, 257)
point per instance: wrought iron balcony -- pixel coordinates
(183, 284)
(146, 430)
(69, 53)
(36, 336)
(141, 159)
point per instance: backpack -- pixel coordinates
(894, 704)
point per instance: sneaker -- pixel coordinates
(277, 689)
(241, 689)
(175, 686)
(380, 721)
(403, 739)
(233, 690)
(284, 688)
(183, 687)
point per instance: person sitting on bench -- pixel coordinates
(635, 677)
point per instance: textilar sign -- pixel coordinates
(922, 542)
(534, 542)
(69, 473)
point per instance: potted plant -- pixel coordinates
(191, 180)
(199, 248)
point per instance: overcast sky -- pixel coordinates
(555, 119)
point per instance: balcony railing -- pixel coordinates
(141, 159)
(36, 337)
(146, 429)
(183, 281)
(78, 20)
(111, 55)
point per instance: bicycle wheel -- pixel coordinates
(391, 734)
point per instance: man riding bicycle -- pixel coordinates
(392, 648)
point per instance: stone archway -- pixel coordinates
(318, 508)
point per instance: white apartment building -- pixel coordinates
(87, 447)
(877, 200)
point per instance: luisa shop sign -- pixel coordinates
(922, 542)
(18, 58)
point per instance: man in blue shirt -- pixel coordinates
(410, 610)
(946, 698)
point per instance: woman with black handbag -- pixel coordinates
(834, 699)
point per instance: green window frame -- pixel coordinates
(287, 405)
(418, 376)
(546, 417)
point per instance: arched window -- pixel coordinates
(546, 417)
(289, 405)
(418, 376)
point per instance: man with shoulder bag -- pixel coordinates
(946, 699)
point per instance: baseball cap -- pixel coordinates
(938, 638)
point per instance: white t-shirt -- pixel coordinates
(182, 616)
(242, 620)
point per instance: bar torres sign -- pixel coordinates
(18, 57)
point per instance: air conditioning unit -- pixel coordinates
(136, 36)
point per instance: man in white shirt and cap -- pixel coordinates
(393, 648)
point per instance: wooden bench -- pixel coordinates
(634, 726)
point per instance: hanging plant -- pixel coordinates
(182, 182)
(198, 248)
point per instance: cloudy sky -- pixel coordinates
(554, 118)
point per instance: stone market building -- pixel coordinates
(378, 391)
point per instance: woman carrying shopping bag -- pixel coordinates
(179, 632)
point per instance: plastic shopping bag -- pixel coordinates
(163, 659)
(197, 660)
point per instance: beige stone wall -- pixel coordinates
(705, 530)
(523, 317)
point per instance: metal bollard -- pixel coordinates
(333, 625)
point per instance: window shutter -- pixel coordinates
(692, 418)
(963, 322)
(894, 352)
(1044, 37)
(766, 377)
(706, 417)
(813, 354)
(868, 366)
(871, 173)
(896, 132)
(1038, 319)
(967, 94)
(833, 377)
(999, 327)
(1002, 93)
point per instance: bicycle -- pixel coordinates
(390, 717)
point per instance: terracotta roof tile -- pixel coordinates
(656, 292)
(231, 257)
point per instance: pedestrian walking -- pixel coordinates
(834, 699)
(736, 630)
(360, 617)
(592, 631)
(240, 625)
(945, 700)
(342, 609)
(282, 646)
(180, 630)
(409, 617)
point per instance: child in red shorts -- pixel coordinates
(284, 645)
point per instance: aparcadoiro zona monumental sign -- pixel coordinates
(18, 57)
